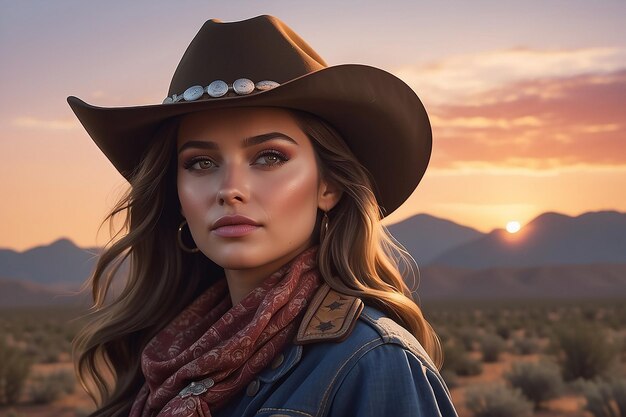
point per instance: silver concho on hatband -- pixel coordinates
(219, 88)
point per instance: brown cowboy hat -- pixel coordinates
(262, 62)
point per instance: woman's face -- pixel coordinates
(252, 162)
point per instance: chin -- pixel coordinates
(237, 263)
(238, 258)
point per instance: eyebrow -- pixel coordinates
(246, 142)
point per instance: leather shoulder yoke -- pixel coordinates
(330, 317)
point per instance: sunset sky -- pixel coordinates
(527, 99)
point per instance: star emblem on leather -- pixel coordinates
(334, 305)
(325, 326)
(331, 316)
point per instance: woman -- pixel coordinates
(261, 280)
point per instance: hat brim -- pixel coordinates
(379, 116)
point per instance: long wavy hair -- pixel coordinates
(358, 257)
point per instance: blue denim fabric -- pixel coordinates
(379, 370)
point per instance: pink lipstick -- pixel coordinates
(234, 226)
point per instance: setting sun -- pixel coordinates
(512, 227)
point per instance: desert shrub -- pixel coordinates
(497, 400)
(491, 346)
(43, 390)
(543, 330)
(66, 380)
(583, 351)
(49, 355)
(616, 316)
(606, 398)
(468, 366)
(48, 388)
(589, 313)
(451, 378)
(14, 369)
(44, 332)
(525, 345)
(467, 337)
(538, 381)
(458, 361)
(503, 330)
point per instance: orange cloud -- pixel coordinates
(542, 124)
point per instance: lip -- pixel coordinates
(233, 220)
(235, 230)
(234, 226)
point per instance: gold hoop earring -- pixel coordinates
(324, 227)
(180, 239)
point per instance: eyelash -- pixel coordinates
(282, 158)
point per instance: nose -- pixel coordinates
(233, 188)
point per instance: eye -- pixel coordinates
(271, 158)
(195, 164)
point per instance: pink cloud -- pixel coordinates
(537, 124)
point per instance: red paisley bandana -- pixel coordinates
(209, 352)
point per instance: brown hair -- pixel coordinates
(358, 257)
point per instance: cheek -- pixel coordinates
(292, 195)
(191, 196)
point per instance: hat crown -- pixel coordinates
(260, 48)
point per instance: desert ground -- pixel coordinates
(574, 350)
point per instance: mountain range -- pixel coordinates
(549, 239)
(554, 255)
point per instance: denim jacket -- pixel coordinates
(377, 369)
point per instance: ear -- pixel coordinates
(328, 195)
